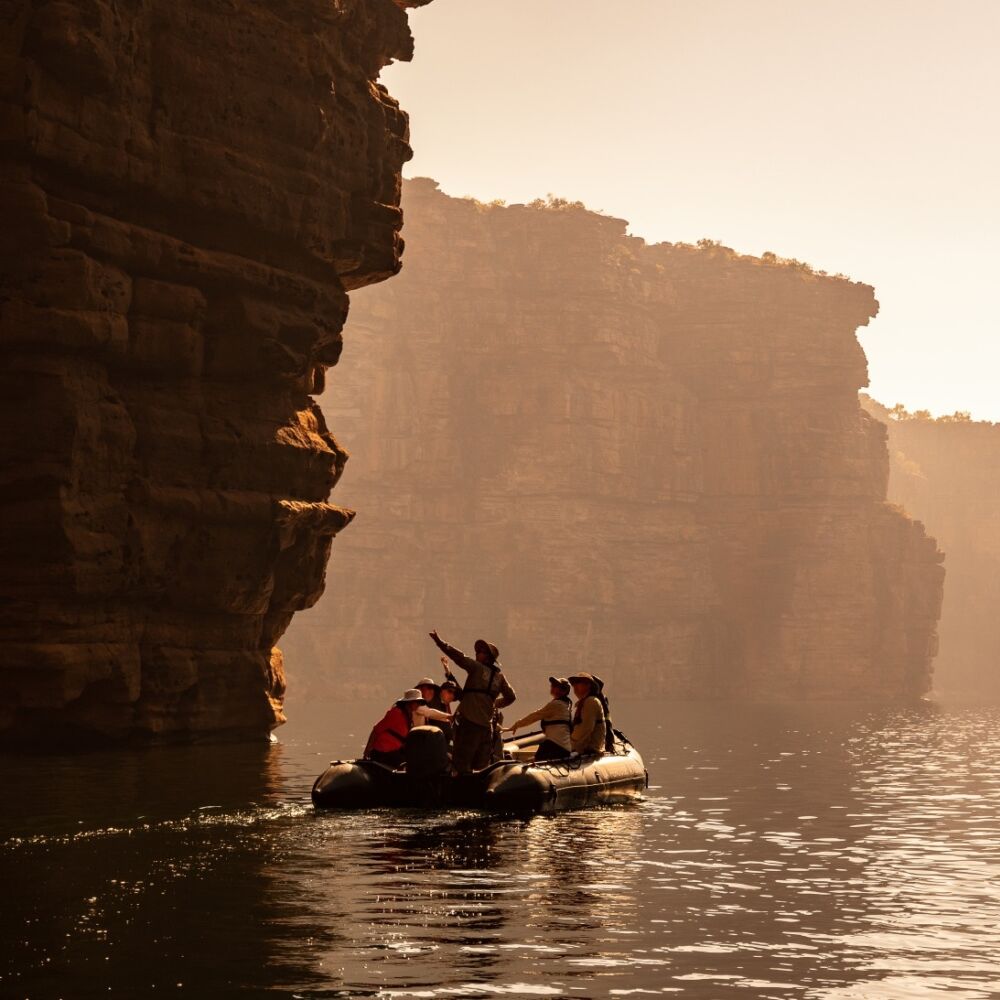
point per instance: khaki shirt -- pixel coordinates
(588, 732)
(557, 711)
(485, 689)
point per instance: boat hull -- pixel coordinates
(553, 786)
(507, 786)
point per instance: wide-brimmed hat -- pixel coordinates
(482, 646)
(560, 682)
(585, 677)
(412, 694)
(427, 682)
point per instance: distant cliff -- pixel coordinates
(647, 461)
(189, 191)
(947, 473)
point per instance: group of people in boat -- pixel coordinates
(475, 726)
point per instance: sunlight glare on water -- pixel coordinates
(813, 852)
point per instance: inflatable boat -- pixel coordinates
(517, 783)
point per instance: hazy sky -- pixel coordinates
(861, 137)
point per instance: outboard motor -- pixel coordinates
(427, 770)
(426, 753)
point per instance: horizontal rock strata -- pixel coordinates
(189, 190)
(646, 461)
(947, 472)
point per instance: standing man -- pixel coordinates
(485, 691)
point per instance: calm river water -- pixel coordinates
(808, 852)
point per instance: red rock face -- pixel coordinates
(188, 192)
(644, 461)
(947, 472)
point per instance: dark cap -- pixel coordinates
(450, 686)
(482, 646)
(560, 682)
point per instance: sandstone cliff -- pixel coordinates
(189, 190)
(947, 472)
(647, 461)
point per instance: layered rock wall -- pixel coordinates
(647, 461)
(947, 472)
(189, 191)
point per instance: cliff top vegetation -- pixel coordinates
(900, 414)
(704, 248)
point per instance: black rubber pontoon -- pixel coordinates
(515, 784)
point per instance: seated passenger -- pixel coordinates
(555, 719)
(450, 682)
(589, 726)
(435, 712)
(609, 731)
(450, 693)
(385, 744)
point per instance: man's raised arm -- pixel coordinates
(453, 654)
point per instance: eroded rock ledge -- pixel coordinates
(647, 461)
(189, 191)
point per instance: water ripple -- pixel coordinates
(794, 852)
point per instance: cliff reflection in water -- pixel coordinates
(129, 871)
(782, 852)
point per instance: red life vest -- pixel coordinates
(390, 731)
